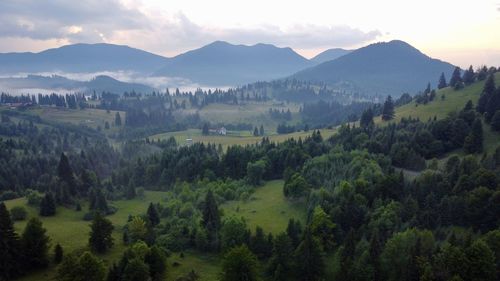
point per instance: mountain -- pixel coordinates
(330, 54)
(80, 58)
(101, 83)
(383, 68)
(221, 64)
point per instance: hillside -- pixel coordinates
(100, 83)
(221, 63)
(79, 58)
(329, 55)
(393, 67)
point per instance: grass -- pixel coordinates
(267, 208)
(68, 229)
(207, 266)
(234, 137)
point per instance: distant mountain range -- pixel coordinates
(221, 63)
(330, 54)
(101, 83)
(384, 68)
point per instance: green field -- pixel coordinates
(267, 208)
(68, 229)
(233, 137)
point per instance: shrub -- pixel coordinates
(18, 213)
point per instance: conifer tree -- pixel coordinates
(118, 119)
(487, 94)
(211, 218)
(58, 253)
(456, 78)
(153, 216)
(442, 81)
(388, 110)
(469, 76)
(65, 173)
(10, 246)
(100, 239)
(48, 205)
(309, 258)
(35, 244)
(474, 141)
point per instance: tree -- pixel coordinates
(366, 120)
(388, 110)
(488, 92)
(153, 216)
(259, 244)
(87, 267)
(118, 119)
(48, 205)
(296, 186)
(205, 130)
(294, 231)
(468, 76)
(474, 141)
(10, 246)
(261, 130)
(322, 228)
(155, 259)
(211, 218)
(137, 229)
(130, 192)
(374, 260)
(58, 254)
(255, 132)
(481, 262)
(347, 257)
(35, 244)
(309, 258)
(136, 270)
(239, 264)
(495, 121)
(255, 171)
(101, 239)
(65, 173)
(442, 81)
(456, 78)
(280, 264)
(234, 232)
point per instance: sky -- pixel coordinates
(463, 32)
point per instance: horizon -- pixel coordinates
(453, 31)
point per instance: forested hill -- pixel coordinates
(393, 67)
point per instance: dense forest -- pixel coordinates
(383, 201)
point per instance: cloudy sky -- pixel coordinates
(460, 31)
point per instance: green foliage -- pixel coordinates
(481, 262)
(48, 205)
(239, 264)
(309, 263)
(474, 141)
(388, 112)
(58, 254)
(255, 171)
(322, 228)
(83, 268)
(234, 232)
(35, 243)
(18, 213)
(101, 239)
(10, 250)
(296, 187)
(281, 262)
(153, 216)
(211, 219)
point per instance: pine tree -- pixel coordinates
(309, 258)
(375, 250)
(205, 131)
(280, 264)
(456, 78)
(261, 131)
(156, 261)
(492, 106)
(474, 141)
(100, 239)
(48, 205)
(10, 246)
(469, 76)
(488, 92)
(118, 119)
(442, 81)
(495, 121)
(130, 191)
(366, 120)
(211, 218)
(388, 110)
(58, 253)
(35, 245)
(153, 216)
(66, 175)
(255, 132)
(347, 257)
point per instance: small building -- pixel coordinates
(222, 131)
(189, 141)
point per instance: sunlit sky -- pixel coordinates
(461, 32)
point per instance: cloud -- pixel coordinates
(112, 21)
(74, 20)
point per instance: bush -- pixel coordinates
(33, 197)
(18, 213)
